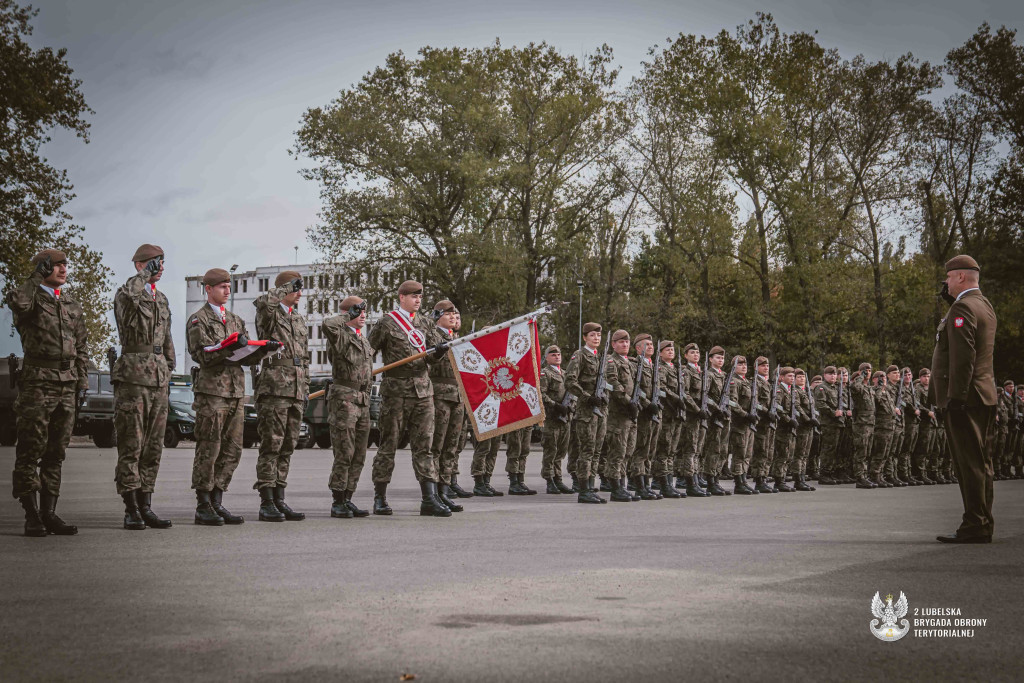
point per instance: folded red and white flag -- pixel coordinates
(499, 379)
(247, 353)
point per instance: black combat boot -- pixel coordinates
(588, 495)
(606, 485)
(431, 505)
(701, 481)
(145, 501)
(216, 500)
(456, 489)
(562, 488)
(694, 489)
(713, 488)
(380, 501)
(132, 519)
(481, 488)
(551, 488)
(669, 491)
(448, 502)
(575, 484)
(638, 486)
(33, 524)
(718, 483)
(289, 514)
(514, 487)
(338, 508)
(205, 514)
(879, 481)
(494, 492)
(926, 480)
(353, 508)
(620, 494)
(801, 484)
(780, 485)
(865, 483)
(623, 481)
(655, 484)
(827, 480)
(649, 485)
(522, 484)
(741, 488)
(54, 524)
(268, 509)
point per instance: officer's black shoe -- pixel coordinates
(481, 488)
(458, 490)
(865, 483)
(216, 498)
(353, 508)
(145, 501)
(953, 538)
(606, 485)
(132, 519)
(54, 524)
(620, 494)
(693, 489)
(33, 523)
(268, 510)
(802, 485)
(205, 514)
(562, 488)
(289, 514)
(522, 485)
(338, 508)
(494, 492)
(449, 503)
(667, 490)
(431, 505)
(380, 501)
(741, 488)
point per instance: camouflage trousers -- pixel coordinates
(923, 448)
(880, 441)
(416, 415)
(449, 419)
(620, 441)
(801, 451)
(219, 424)
(764, 450)
(892, 456)
(517, 449)
(663, 460)
(278, 423)
(741, 445)
(996, 444)
(350, 430)
(485, 453)
(814, 458)
(140, 420)
(861, 436)
(556, 442)
(691, 444)
(716, 448)
(46, 418)
(907, 446)
(590, 436)
(844, 458)
(574, 450)
(785, 445)
(830, 433)
(647, 432)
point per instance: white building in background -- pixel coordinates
(321, 299)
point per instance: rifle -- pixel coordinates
(792, 408)
(754, 407)
(111, 357)
(634, 400)
(917, 406)
(681, 393)
(841, 408)
(569, 405)
(602, 366)
(704, 395)
(655, 391)
(723, 402)
(773, 406)
(899, 396)
(14, 370)
(814, 409)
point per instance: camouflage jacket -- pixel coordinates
(740, 394)
(285, 373)
(764, 395)
(646, 379)
(410, 380)
(692, 380)
(885, 406)
(442, 374)
(621, 373)
(1004, 409)
(351, 358)
(552, 386)
(143, 317)
(803, 409)
(784, 397)
(581, 379)
(826, 398)
(52, 332)
(715, 388)
(670, 382)
(216, 377)
(862, 397)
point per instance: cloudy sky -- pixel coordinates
(197, 102)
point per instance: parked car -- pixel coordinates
(251, 433)
(317, 417)
(96, 415)
(181, 418)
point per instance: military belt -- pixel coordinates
(157, 349)
(48, 363)
(352, 384)
(445, 380)
(284, 362)
(401, 373)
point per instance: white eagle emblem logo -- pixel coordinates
(884, 626)
(503, 378)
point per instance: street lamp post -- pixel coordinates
(232, 270)
(579, 283)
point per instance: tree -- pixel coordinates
(37, 94)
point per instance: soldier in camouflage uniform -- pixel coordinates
(54, 377)
(911, 428)
(589, 423)
(663, 455)
(926, 430)
(450, 467)
(622, 416)
(448, 410)
(648, 425)
(846, 472)
(863, 401)
(741, 439)
(716, 442)
(351, 359)
(804, 433)
(1000, 432)
(785, 435)
(556, 423)
(764, 438)
(219, 400)
(408, 400)
(281, 391)
(890, 463)
(691, 440)
(826, 397)
(485, 453)
(140, 378)
(517, 449)
(885, 420)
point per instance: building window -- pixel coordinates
(323, 306)
(245, 286)
(353, 279)
(235, 282)
(323, 282)
(264, 284)
(339, 280)
(309, 333)
(309, 306)
(337, 305)
(320, 357)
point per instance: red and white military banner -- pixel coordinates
(499, 379)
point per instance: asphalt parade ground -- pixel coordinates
(537, 588)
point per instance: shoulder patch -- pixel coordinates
(195, 320)
(958, 322)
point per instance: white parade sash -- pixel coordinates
(416, 338)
